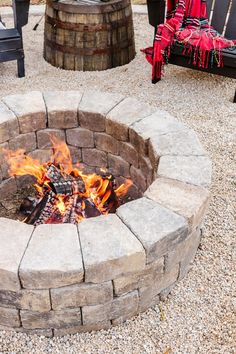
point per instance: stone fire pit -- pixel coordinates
(60, 279)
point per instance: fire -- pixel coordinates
(64, 192)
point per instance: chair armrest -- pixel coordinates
(156, 12)
(21, 12)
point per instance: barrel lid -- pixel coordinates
(88, 6)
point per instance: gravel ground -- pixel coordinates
(199, 315)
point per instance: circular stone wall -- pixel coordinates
(60, 279)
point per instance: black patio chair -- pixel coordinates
(223, 15)
(11, 41)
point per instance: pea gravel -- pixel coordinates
(198, 317)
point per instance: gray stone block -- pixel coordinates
(30, 110)
(184, 199)
(160, 122)
(14, 238)
(53, 258)
(81, 295)
(110, 251)
(190, 169)
(160, 232)
(184, 142)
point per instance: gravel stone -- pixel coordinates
(199, 315)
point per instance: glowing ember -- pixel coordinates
(64, 193)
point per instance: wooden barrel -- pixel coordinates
(88, 34)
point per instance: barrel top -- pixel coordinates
(88, 6)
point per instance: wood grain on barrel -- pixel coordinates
(88, 34)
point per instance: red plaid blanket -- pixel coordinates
(186, 23)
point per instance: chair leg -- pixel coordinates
(21, 67)
(234, 101)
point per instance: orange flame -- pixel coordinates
(97, 188)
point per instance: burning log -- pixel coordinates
(64, 193)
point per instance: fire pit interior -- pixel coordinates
(59, 275)
(63, 192)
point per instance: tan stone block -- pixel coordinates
(23, 141)
(125, 306)
(53, 258)
(51, 319)
(94, 157)
(81, 295)
(25, 181)
(139, 279)
(149, 296)
(138, 178)
(3, 161)
(92, 315)
(44, 137)
(124, 115)
(92, 121)
(117, 166)
(62, 108)
(153, 156)
(128, 153)
(139, 142)
(9, 127)
(14, 238)
(9, 317)
(157, 228)
(81, 329)
(110, 251)
(35, 300)
(184, 199)
(40, 332)
(146, 168)
(7, 187)
(42, 155)
(106, 143)
(76, 154)
(94, 101)
(29, 109)
(184, 253)
(160, 122)
(80, 137)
